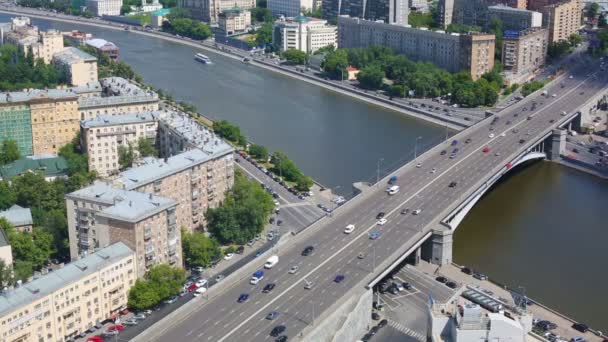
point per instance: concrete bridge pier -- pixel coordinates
(557, 144)
(438, 248)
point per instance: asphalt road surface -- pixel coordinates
(223, 319)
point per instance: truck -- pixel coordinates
(271, 261)
(256, 277)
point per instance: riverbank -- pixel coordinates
(373, 99)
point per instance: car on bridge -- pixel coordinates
(417, 212)
(392, 189)
(486, 149)
(392, 180)
(272, 315)
(453, 184)
(339, 278)
(308, 251)
(278, 330)
(243, 298)
(269, 287)
(468, 140)
(382, 222)
(349, 229)
(443, 152)
(380, 215)
(374, 235)
(281, 339)
(491, 135)
(454, 142)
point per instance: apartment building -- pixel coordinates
(234, 20)
(388, 11)
(39, 44)
(561, 18)
(79, 67)
(16, 121)
(101, 214)
(445, 11)
(209, 10)
(524, 53)
(303, 33)
(454, 52)
(104, 7)
(119, 96)
(515, 19)
(289, 8)
(101, 137)
(60, 305)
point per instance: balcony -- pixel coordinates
(172, 251)
(194, 195)
(149, 250)
(150, 262)
(171, 219)
(147, 233)
(172, 241)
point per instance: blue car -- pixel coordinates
(339, 278)
(374, 235)
(454, 142)
(243, 298)
(455, 151)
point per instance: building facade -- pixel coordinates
(54, 119)
(524, 53)
(39, 44)
(209, 10)
(16, 122)
(445, 11)
(304, 34)
(104, 7)
(562, 18)
(515, 19)
(101, 137)
(79, 67)
(101, 214)
(234, 20)
(388, 11)
(60, 305)
(104, 47)
(6, 252)
(289, 8)
(454, 52)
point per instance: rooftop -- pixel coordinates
(197, 134)
(100, 43)
(36, 94)
(162, 12)
(72, 55)
(124, 205)
(154, 169)
(124, 119)
(18, 216)
(51, 166)
(503, 7)
(47, 284)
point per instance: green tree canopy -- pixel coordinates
(261, 15)
(263, 36)
(8, 197)
(10, 151)
(18, 72)
(142, 296)
(593, 10)
(230, 132)
(335, 63)
(295, 56)
(371, 77)
(146, 148)
(199, 250)
(188, 28)
(259, 152)
(126, 155)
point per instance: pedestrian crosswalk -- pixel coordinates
(418, 336)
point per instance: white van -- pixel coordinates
(393, 189)
(271, 261)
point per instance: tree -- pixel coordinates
(576, 38)
(283, 166)
(199, 250)
(593, 10)
(370, 77)
(460, 28)
(18, 71)
(559, 49)
(304, 183)
(125, 156)
(497, 27)
(32, 250)
(10, 151)
(6, 274)
(259, 152)
(166, 280)
(178, 13)
(530, 87)
(295, 56)
(146, 148)
(56, 224)
(261, 15)
(169, 4)
(7, 195)
(125, 9)
(230, 132)
(335, 63)
(188, 28)
(263, 36)
(417, 19)
(142, 296)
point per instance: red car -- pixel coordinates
(192, 288)
(118, 327)
(486, 149)
(95, 338)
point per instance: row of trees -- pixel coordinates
(18, 72)
(63, 6)
(287, 169)
(423, 79)
(230, 132)
(160, 282)
(559, 49)
(107, 67)
(179, 22)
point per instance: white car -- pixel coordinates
(382, 221)
(294, 269)
(417, 211)
(349, 229)
(433, 170)
(200, 291)
(393, 189)
(570, 77)
(491, 135)
(228, 256)
(419, 165)
(276, 203)
(564, 113)
(554, 95)
(201, 283)
(503, 134)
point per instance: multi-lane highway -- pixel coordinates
(221, 318)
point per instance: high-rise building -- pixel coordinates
(515, 19)
(472, 52)
(524, 53)
(445, 10)
(102, 137)
(304, 34)
(562, 18)
(209, 10)
(388, 11)
(104, 7)
(234, 20)
(101, 214)
(69, 301)
(289, 8)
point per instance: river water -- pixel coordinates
(543, 227)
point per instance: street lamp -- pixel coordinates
(416, 147)
(378, 170)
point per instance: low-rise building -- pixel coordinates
(50, 165)
(104, 7)
(101, 214)
(515, 19)
(79, 67)
(234, 20)
(102, 136)
(524, 53)
(19, 217)
(104, 47)
(302, 33)
(68, 301)
(473, 52)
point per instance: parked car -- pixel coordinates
(441, 279)
(451, 284)
(382, 323)
(240, 250)
(580, 327)
(466, 270)
(131, 321)
(480, 276)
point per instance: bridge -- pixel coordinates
(443, 188)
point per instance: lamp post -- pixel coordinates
(378, 171)
(416, 147)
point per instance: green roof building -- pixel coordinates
(50, 166)
(16, 124)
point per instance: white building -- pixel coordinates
(289, 8)
(104, 7)
(303, 33)
(79, 67)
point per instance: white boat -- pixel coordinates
(202, 58)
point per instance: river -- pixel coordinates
(543, 227)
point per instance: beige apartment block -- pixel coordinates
(39, 44)
(523, 55)
(54, 117)
(478, 53)
(60, 305)
(234, 20)
(562, 18)
(79, 67)
(101, 137)
(100, 215)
